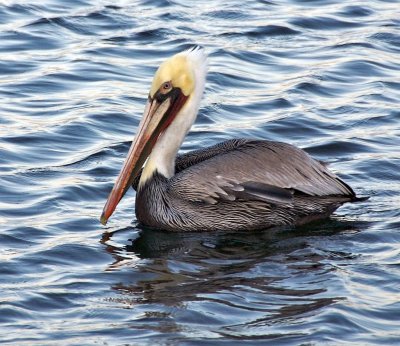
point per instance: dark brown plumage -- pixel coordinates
(241, 184)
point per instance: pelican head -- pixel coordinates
(170, 110)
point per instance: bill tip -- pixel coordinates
(103, 219)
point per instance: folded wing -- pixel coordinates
(253, 170)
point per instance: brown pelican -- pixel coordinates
(240, 184)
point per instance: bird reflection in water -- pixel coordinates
(177, 270)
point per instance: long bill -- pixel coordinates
(157, 116)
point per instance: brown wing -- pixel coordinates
(248, 169)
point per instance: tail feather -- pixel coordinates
(356, 199)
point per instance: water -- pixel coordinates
(74, 75)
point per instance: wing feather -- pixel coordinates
(249, 169)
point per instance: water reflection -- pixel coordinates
(265, 277)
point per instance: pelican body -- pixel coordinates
(240, 184)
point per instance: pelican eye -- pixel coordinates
(166, 87)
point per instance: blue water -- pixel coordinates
(74, 77)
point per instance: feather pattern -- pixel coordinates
(241, 184)
(255, 167)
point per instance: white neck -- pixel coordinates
(162, 157)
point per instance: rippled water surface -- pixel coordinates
(74, 76)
